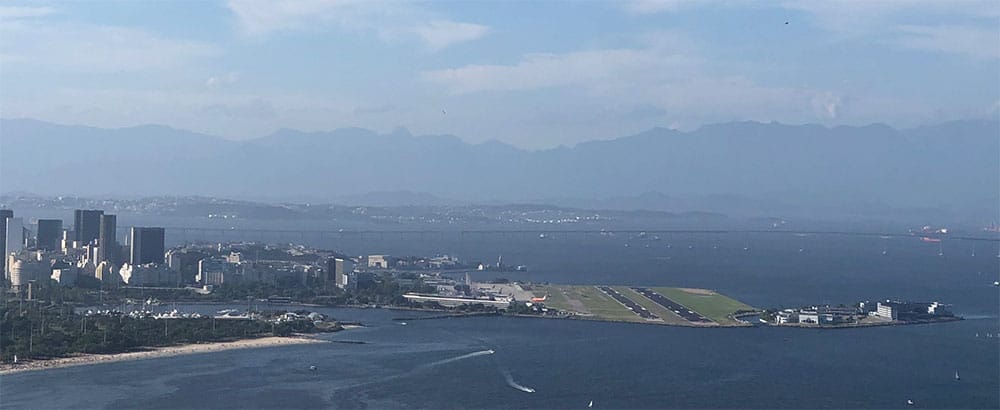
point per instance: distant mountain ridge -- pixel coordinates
(951, 166)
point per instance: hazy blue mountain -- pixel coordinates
(951, 167)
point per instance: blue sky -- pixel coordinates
(532, 74)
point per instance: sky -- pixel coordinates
(532, 74)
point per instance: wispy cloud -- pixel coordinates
(966, 27)
(661, 6)
(228, 78)
(20, 12)
(390, 21)
(972, 41)
(93, 48)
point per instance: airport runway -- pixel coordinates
(687, 314)
(634, 307)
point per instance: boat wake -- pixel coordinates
(462, 357)
(514, 384)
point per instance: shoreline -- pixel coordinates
(157, 352)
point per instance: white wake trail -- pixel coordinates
(516, 385)
(457, 358)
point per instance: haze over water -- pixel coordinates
(568, 363)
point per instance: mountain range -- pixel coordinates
(953, 167)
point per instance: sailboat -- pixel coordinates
(591, 404)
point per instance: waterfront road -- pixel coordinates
(687, 314)
(634, 307)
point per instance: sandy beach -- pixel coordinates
(85, 359)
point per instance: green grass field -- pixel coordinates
(653, 307)
(588, 301)
(714, 306)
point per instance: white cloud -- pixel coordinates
(442, 33)
(659, 6)
(390, 21)
(93, 48)
(20, 12)
(596, 69)
(228, 78)
(671, 82)
(961, 27)
(966, 27)
(973, 41)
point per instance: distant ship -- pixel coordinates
(957, 377)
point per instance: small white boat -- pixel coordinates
(312, 367)
(591, 404)
(957, 377)
(909, 402)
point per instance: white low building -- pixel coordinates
(887, 311)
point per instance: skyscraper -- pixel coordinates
(48, 235)
(108, 240)
(87, 224)
(4, 214)
(14, 236)
(146, 245)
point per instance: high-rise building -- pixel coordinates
(4, 214)
(14, 238)
(146, 245)
(49, 233)
(87, 224)
(339, 271)
(107, 239)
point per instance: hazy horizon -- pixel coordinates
(533, 76)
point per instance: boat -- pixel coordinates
(491, 351)
(996, 283)
(909, 402)
(312, 367)
(591, 404)
(957, 377)
(542, 236)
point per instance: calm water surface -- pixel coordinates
(445, 364)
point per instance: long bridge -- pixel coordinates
(355, 233)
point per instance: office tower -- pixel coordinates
(339, 271)
(108, 240)
(4, 214)
(14, 237)
(146, 245)
(87, 225)
(48, 235)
